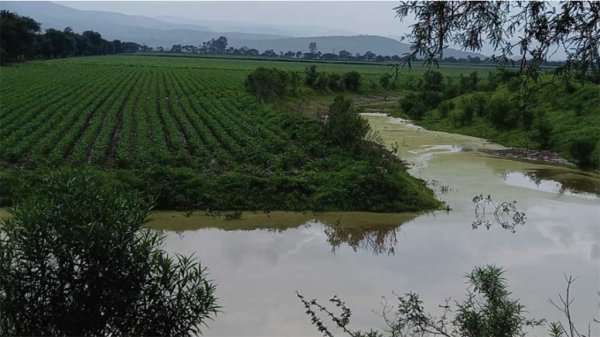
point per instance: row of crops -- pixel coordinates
(186, 134)
(134, 116)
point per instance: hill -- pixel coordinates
(169, 31)
(355, 44)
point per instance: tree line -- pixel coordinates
(21, 39)
(267, 84)
(219, 46)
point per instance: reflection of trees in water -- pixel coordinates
(379, 240)
(505, 214)
(579, 182)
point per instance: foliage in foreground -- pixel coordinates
(75, 260)
(488, 310)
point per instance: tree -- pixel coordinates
(219, 45)
(269, 53)
(76, 259)
(268, 84)
(536, 28)
(385, 80)
(17, 36)
(345, 55)
(176, 48)
(312, 47)
(433, 80)
(352, 81)
(311, 75)
(344, 126)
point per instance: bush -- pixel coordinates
(445, 107)
(468, 84)
(433, 80)
(492, 82)
(480, 104)
(569, 87)
(543, 134)
(468, 110)
(75, 259)
(267, 84)
(459, 118)
(502, 113)
(311, 75)
(431, 99)
(344, 125)
(487, 310)
(583, 153)
(385, 80)
(322, 82)
(514, 84)
(413, 106)
(334, 82)
(352, 81)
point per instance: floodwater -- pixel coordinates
(259, 261)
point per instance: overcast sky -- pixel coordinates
(363, 17)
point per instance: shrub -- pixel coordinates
(492, 82)
(468, 110)
(569, 87)
(480, 104)
(445, 107)
(334, 82)
(459, 118)
(75, 259)
(468, 84)
(385, 80)
(433, 80)
(352, 81)
(502, 113)
(514, 84)
(311, 75)
(344, 125)
(322, 82)
(583, 153)
(543, 134)
(487, 310)
(267, 84)
(431, 99)
(413, 106)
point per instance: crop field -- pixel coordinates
(131, 111)
(185, 130)
(127, 116)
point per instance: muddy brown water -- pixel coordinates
(261, 259)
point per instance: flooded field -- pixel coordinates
(259, 260)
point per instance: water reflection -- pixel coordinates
(561, 181)
(578, 182)
(505, 214)
(361, 231)
(380, 240)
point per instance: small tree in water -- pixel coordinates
(76, 260)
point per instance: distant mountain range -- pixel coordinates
(167, 31)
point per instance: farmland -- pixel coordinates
(184, 130)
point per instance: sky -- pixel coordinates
(337, 17)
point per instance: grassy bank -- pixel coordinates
(572, 117)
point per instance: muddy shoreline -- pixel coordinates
(536, 156)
